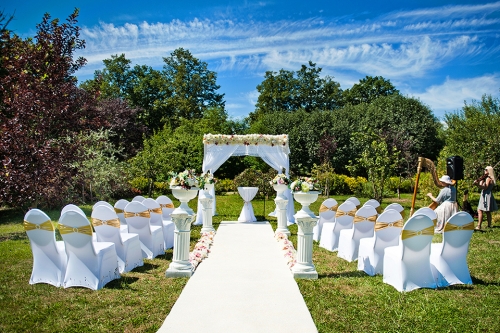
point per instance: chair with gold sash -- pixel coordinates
(355, 201)
(371, 250)
(327, 212)
(128, 246)
(102, 203)
(167, 207)
(449, 258)
(90, 264)
(138, 198)
(375, 204)
(330, 232)
(77, 209)
(428, 212)
(119, 210)
(156, 219)
(151, 237)
(407, 265)
(49, 256)
(362, 227)
(397, 207)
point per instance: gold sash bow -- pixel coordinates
(323, 208)
(358, 218)
(382, 225)
(410, 233)
(47, 226)
(378, 209)
(403, 215)
(340, 212)
(155, 210)
(112, 223)
(453, 227)
(168, 205)
(86, 229)
(118, 210)
(141, 214)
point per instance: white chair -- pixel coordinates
(330, 232)
(151, 237)
(167, 207)
(128, 246)
(375, 204)
(397, 207)
(72, 207)
(449, 258)
(407, 265)
(49, 256)
(427, 212)
(138, 198)
(102, 203)
(156, 219)
(327, 212)
(371, 250)
(355, 201)
(362, 227)
(90, 264)
(119, 209)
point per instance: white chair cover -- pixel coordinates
(119, 209)
(138, 198)
(449, 258)
(128, 246)
(363, 226)
(375, 204)
(397, 207)
(156, 219)
(49, 256)
(75, 208)
(327, 212)
(387, 233)
(355, 201)
(247, 193)
(407, 265)
(90, 264)
(102, 203)
(427, 212)
(151, 237)
(330, 232)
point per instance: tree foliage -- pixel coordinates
(369, 89)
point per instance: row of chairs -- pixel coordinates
(402, 251)
(91, 255)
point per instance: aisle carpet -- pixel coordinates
(243, 286)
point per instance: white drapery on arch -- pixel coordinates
(273, 149)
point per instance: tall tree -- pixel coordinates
(369, 89)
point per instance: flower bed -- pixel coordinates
(201, 249)
(286, 247)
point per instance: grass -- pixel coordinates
(342, 299)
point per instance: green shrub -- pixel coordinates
(355, 184)
(139, 185)
(406, 185)
(338, 184)
(225, 185)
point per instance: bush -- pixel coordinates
(406, 185)
(139, 185)
(225, 185)
(355, 184)
(338, 184)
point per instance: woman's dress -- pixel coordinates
(487, 202)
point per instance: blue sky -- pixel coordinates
(443, 52)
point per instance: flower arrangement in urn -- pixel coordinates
(280, 179)
(206, 178)
(186, 179)
(304, 184)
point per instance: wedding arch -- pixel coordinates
(273, 149)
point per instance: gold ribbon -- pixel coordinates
(358, 218)
(47, 226)
(155, 210)
(410, 233)
(403, 214)
(118, 210)
(382, 225)
(323, 208)
(340, 212)
(141, 214)
(112, 223)
(378, 209)
(86, 229)
(168, 205)
(453, 227)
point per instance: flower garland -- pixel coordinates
(304, 184)
(247, 140)
(201, 249)
(286, 247)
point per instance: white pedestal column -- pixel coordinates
(206, 201)
(304, 268)
(180, 265)
(281, 206)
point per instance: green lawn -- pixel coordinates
(341, 300)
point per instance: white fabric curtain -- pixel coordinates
(216, 155)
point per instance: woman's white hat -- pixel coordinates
(446, 179)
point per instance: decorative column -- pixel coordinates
(304, 268)
(210, 188)
(206, 201)
(180, 265)
(281, 207)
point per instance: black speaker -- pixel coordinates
(455, 167)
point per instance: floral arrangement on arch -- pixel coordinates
(286, 247)
(206, 178)
(186, 179)
(201, 249)
(247, 140)
(280, 179)
(305, 184)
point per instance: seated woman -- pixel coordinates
(447, 200)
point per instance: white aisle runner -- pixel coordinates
(243, 286)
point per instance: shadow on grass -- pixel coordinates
(122, 283)
(146, 267)
(14, 236)
(356, 274)
(9, 215)
(483, 283)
